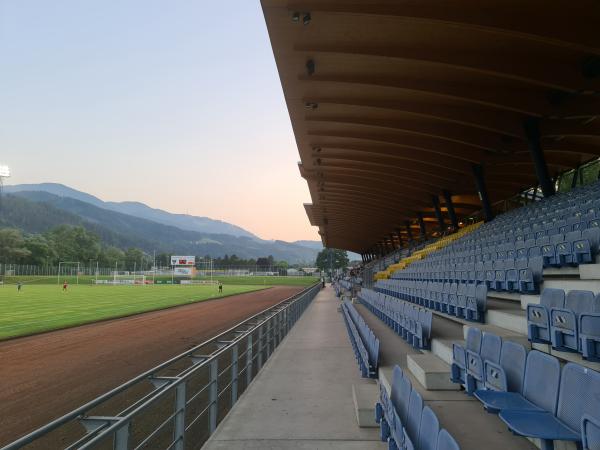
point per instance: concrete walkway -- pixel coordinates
(302, 399)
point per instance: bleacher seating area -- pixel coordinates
(363, 340)
(405, 422)
(510, 252)
(407, 320)
(569, 322)
(424, 250)
(532, 394)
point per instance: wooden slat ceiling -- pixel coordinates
(393, 101)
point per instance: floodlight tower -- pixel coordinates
(4, 173)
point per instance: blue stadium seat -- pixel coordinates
(540, 387)
(538, 316)
(508, 374)
(430, 428)
(413, 422)
(459, 356)
(477, 305)
(564, 321)
(590, 432)
(578, 396)
(589, 333)
(490, 349)
(446, 441)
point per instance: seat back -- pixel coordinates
(512, 360)
(415, 410)
(553, 298)
(473, 340)
(446, 441)
(581, 301)
(400, 398)
(491, 346)
(542, 377)
(430, 428)
(579, 394)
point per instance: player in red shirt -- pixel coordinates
(65, 285)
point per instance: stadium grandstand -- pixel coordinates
(455, 146)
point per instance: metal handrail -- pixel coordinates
(243, 330)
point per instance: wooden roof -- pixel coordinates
(393, 101)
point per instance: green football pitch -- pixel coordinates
(45, 307)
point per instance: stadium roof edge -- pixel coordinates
(396, 103)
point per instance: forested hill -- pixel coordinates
(37, 212)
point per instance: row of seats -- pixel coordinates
(465, 300)
(510, 252)
(520, 275)
(407, 320)
(363, 340)
(568, 322)
(341, 285)
(405, 422)
(530, 391)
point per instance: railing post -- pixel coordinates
(260, 346)
(179, 428)
(249, 361)
(121, 441)
(213, 395)
(234, 374)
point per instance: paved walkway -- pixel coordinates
(302, 399)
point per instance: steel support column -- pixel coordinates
(409, 231)
(482, 192)
(438, 212)
(532, 131)
(422, 226)
(450, 207)
(399, 235)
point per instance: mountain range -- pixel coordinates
(36, 208)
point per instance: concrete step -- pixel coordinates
(569, 285)
(589, 271)
(564, 272)
(442, 348)
(566, 356)
(527, 298)
(365, 396)
(431, 372)
(501, 295)
(509, 319)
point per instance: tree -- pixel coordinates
(75, 243)
(332, 258)
(12, 246)
(111, 255)
(134, 259)
(41, 250)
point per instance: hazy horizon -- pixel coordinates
(175, 105)
(147, 204)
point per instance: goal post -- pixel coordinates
(67, 267)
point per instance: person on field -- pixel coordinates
(65, 286)
(19, 286)
(220, 288)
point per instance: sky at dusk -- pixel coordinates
(176, 104)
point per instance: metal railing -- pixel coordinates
(178, 404)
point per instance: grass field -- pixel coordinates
(246, 281)
(44, 307)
